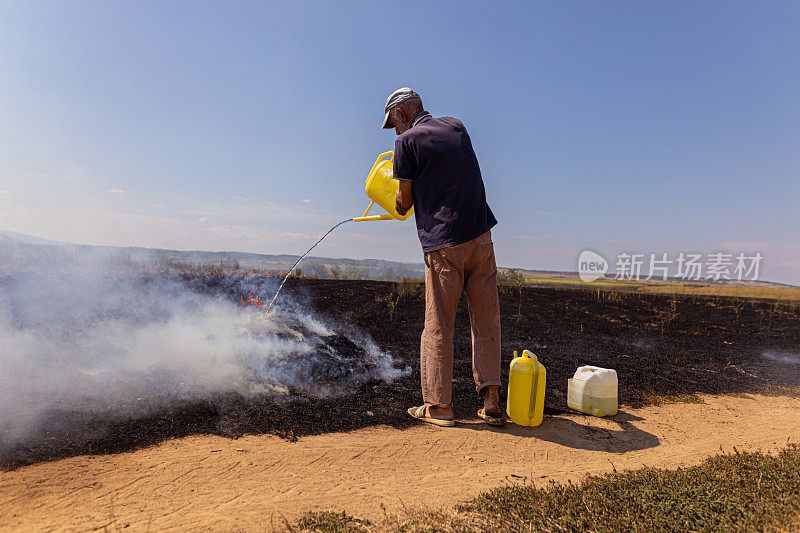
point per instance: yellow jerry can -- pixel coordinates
(381, 187)
(525, 405)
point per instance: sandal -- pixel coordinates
(419, 414)
(491, 419)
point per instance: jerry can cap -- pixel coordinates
(527, 357)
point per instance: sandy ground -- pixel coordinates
(249, 484)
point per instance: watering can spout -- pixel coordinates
(381, 188)
(364, 217)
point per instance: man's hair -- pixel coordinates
(412, 106)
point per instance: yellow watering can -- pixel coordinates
(525, 405)
(382, 189)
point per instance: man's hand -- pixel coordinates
(404, 199)
(399, 207)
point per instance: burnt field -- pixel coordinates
(662, 346)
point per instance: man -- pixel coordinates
(439, 175)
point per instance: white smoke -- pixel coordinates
(122, 341)
(788, 358)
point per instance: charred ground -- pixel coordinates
(662, 346)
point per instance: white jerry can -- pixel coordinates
(593, 390)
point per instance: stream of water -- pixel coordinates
(271, 302)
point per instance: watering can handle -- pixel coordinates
(384, 154)
(534, 380)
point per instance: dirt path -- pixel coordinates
(207, 482)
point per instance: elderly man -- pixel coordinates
(439, 175)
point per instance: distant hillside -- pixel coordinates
(29, 239)
(26, 252)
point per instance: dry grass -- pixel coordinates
(786, 295)
(406, 288)
(410, 287)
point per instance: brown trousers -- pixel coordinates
(469, 267)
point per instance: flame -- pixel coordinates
(255, 300)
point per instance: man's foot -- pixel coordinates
(491, 411)
(433, 415)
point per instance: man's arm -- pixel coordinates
(405, 197)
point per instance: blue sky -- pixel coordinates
(613, 126)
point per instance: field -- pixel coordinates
(662, 346)
(675, 354)
(737, 289)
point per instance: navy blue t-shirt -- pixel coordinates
(449, 197)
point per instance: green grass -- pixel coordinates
(730, 492)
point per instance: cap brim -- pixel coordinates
(387, 122)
